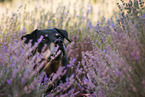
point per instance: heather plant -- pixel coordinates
(17, 75)
(115, 65)
(104, 60)
(130, 42)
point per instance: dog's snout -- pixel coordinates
(58, 41)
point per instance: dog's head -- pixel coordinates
(54, 35)
(51, 37)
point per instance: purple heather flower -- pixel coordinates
(68, 65)
(136, 58)
(49, 21)
(135, 24)
(23, 80)
(100, 94)
(112, 25)
(118, 72)
(116, 33)
(8, 81)
(21, 32)
(24, 28)
(3, 46)
(99, 42)
(13, 64)
(143, 82)
(60, 90)
(86, 81)
(10, 57)
(88, 12)
(31, 86)
(14, 73)
(26, 90)
(40, 39)
(104, 50)
(108, 20)
(30, 54)
(134, 89)
(46, 79)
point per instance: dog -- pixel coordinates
(51, 38)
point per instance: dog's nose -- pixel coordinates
(58, 41)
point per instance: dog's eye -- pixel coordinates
(44, 39)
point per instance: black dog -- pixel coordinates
(50, 37)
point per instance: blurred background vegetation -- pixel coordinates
(100, 8)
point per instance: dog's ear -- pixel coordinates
(32, 36)
(63, 33)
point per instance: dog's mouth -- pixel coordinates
(51, 55)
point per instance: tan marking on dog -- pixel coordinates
(52, 61)
(56, 34)
(46, 35)
(49, 51)
(52, 48)
(46, 54)
(52, 64)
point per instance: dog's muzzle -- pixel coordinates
(51, 52)
(60, 43)
(56, 48)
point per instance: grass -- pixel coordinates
(105, 59)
